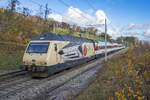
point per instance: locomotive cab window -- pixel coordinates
(38, 47)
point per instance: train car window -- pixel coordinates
(38, 47)
(102, 47)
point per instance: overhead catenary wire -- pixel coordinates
(89, 3)
(94, 8)
(105, 30)
(43, 7)
(52, 10)
(67, 5)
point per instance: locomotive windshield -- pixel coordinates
(38, 47)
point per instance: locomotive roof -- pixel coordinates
(54, 37)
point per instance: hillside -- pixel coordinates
(17, 27)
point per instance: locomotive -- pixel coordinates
(49, 53)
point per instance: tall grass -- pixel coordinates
(124, 77)
(10, 56)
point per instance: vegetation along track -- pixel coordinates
(28, 88)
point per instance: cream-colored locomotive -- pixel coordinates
(48, 53)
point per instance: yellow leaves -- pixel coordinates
(139, 98)
(120, 95)
(2, 10)
(129, 73)
(130, 91)
(134, 77)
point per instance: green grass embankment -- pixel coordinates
(10, 56)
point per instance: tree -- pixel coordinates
(12, 5)
(102, 36)
(47, 11)
(40, 12)
(26, 11)
(128, 39)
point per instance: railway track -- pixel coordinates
(20, 84)
(24, 87)
(12, 74)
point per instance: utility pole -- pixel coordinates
(105, 39)
(46, 11)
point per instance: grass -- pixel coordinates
(102, 86)
(10, 56)
(125, 77)
(76, 34)
(16, 27)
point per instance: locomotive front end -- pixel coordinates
(35, 56)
